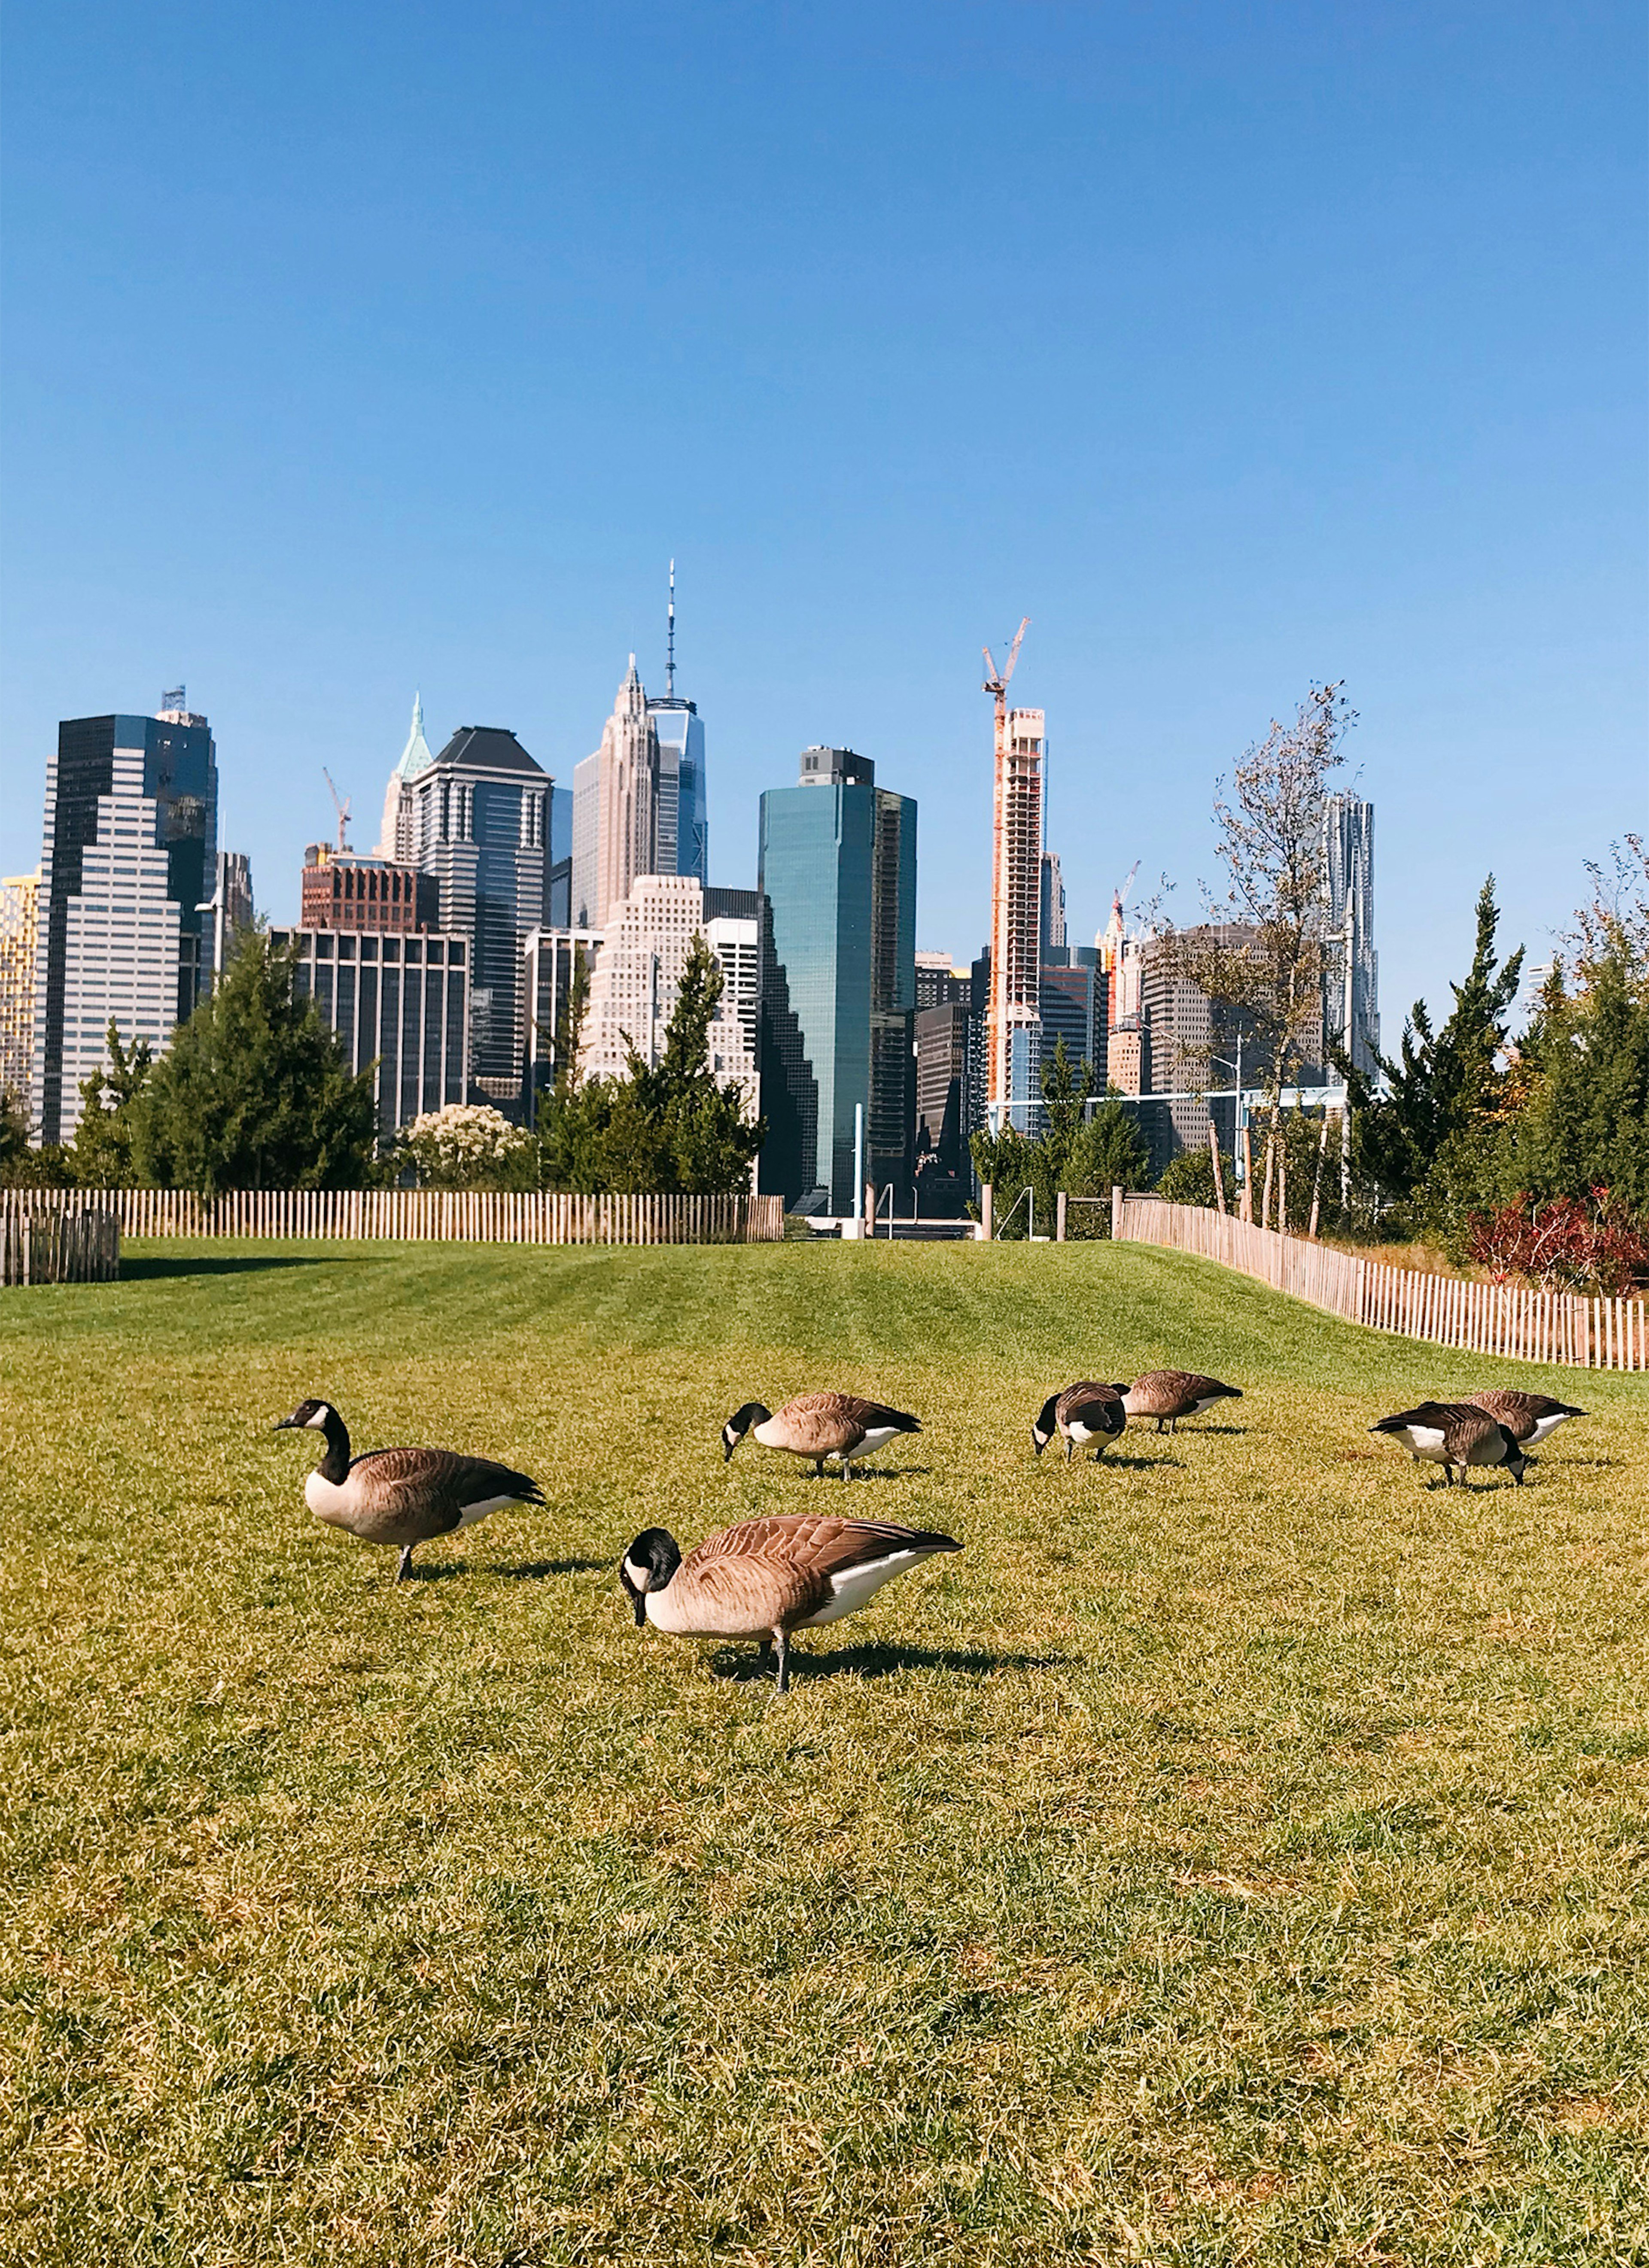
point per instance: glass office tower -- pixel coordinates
(128, 862)
(837, 868)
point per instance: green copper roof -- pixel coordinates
(416, 757)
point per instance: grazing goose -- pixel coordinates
(1450, 1433)
(766, 1578)
(1168, 1395)
(401, 1496)
(1528, 1417)
(819, 1426)
(1084, 1412)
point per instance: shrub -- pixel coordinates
(1563, 1244)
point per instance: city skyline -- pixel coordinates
(1433, 489)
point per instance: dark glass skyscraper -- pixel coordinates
(127, 866)
(481, 824)
(837, 866)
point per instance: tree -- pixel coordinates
(100, 1157)
(666, 1128)
(1429, 1139)
(255, 1091)
(1260, 951)
(1189, 1179)
(1576, 1112)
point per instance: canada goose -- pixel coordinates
(401, 1496)
(1084, 1412)
(819, 1426)
(1168, 1395)
(766, 1578)
(1528, 1417)
(1450, 1433)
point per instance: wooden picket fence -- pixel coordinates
(437, 1216)
(1502, 1318)
(44, 1240)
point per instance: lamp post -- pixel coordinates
(1241, 1117)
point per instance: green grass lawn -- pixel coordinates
(1237, 1854)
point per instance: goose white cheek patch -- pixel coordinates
(637, 1575)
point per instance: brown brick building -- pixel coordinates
(367, 893)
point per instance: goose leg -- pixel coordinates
(405, 1568)
(818, 1469)
(781, 1639)
(1070, 1447)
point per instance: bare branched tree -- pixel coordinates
(1260, 950)
(1259, 954)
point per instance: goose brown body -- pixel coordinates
(1168, 1395)
(1528, 1417)
(401, 1497)
(1455, 1433)
(1087, 1412)
(815, 1426)
(767, 1577)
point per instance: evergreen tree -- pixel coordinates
(255, 1092)
(100, 1156)
(665, 1129)
(1582, 1072)
(1430, 1137)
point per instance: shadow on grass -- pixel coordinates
(1125, 1464)
(436, 1571)
(137, 1272)
(749, 1666)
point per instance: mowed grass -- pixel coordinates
(1237, 1854)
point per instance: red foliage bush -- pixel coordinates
(1563, 1245)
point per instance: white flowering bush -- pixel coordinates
(466, 1146)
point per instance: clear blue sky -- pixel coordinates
(354, 348)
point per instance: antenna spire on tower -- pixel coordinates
(669, 667)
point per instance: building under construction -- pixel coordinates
(1014, 1020)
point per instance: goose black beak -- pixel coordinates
(281, 1425)
(640, 1605)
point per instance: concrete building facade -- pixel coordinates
(19, 906)
(1013, 1092)
(367, 893)
(636, 974)
(399, 1002)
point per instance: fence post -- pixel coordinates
(1117, 1210)
(985, 1194)
(1059, 1216)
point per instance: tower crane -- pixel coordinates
(1122, 895)
(342, 807)
(999, 685)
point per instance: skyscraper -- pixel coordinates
(20, 902)
(1351, 966)
(128, 858)
(681, 843)
(394, 839)
(838, 864)
(616, 808)
(479, 821)
(1053, 903)
(231, 908)
(1013, 1088)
